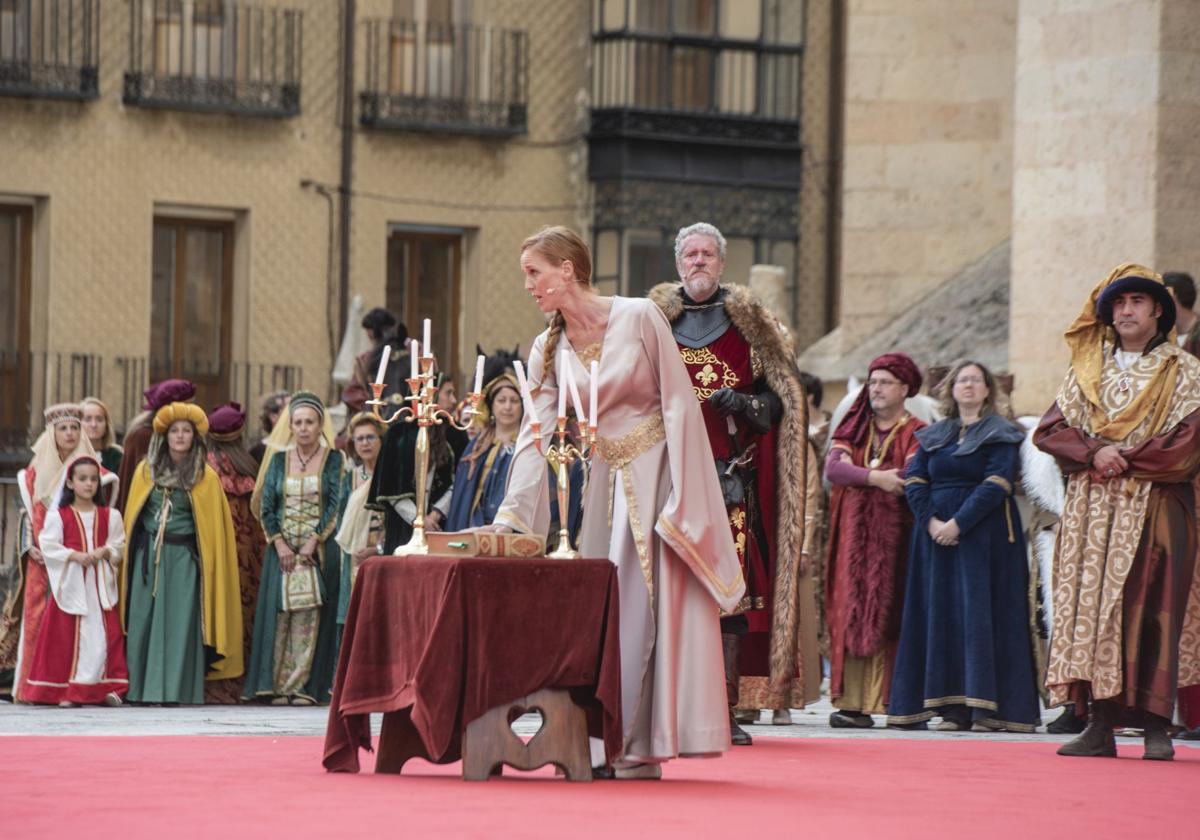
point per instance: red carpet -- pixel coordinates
(213, 787)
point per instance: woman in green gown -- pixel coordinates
(294, 651)
(180, 598)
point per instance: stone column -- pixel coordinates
(928, 145)
(770, 284)
(1106, 163)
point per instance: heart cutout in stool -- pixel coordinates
(526, 723)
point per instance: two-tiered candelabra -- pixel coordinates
(424, 411)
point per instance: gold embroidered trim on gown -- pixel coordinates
(620, 453)
(590, 354)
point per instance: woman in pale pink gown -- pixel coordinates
(652, 504)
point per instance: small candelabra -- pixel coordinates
(423, 411)
(561, 456)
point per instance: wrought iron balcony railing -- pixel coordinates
(458, 79)
(696, 87)
(50, 48)
(214, 55)
(31, 381)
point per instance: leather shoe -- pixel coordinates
(1156, 739)
(1096, 740)
(850, 720)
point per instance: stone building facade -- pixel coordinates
(1055, 136)
(171, 186)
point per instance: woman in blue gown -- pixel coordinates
(964, 650)
(482, 473)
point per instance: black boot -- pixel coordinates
(1068, 723)
(1097, 738)
(731, 646)
(1158, 742)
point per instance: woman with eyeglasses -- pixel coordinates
(965, 652)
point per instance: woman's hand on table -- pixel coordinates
(494, 528)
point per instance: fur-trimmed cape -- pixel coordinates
(761, 329)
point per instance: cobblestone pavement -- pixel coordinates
(812, 722)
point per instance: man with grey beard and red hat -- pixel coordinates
(742, 369)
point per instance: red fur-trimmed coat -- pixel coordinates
(865, 562)
(776, 355)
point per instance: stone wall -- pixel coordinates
(928, 145)
(1107, 168)
(98, 172)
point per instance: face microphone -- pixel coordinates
(552, 291)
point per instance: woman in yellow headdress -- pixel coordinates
(180, 600)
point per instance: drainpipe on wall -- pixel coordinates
(345, 186)
(833, 222)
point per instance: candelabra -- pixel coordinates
(561, 456)
(424, 412)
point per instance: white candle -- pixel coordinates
(526, 396)
(414, 351)
(383, 360)
(425, 338)
(561, 384)
(579, 415)
(478, 375)
(593, 402)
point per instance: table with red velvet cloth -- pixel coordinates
(435, 642)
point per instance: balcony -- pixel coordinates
(33, 380)
(214, 56)
(445, 79)
(50, 49)
(690, 88)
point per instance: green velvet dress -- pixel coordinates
(294, 654)
(164, 637)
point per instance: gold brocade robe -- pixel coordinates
(1101, 530)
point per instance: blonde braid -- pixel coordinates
(551, 346)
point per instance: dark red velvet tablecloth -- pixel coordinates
(442, 640)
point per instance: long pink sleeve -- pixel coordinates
(840, 470)
(526, 505)
(693, 522)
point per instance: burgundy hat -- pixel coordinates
(167, 392)
(225, 422)
(855, 424)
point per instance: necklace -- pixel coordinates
(877, 455)
(304, 462)
(1124, 362)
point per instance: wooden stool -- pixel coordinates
(490, 743)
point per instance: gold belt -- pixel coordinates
(620, 453)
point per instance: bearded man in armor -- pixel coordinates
(742, 366)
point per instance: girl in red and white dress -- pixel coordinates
(80, 652)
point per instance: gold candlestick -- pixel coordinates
(423, 411)
(561, 456)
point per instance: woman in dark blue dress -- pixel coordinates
(482, 473)
(964, 649)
